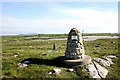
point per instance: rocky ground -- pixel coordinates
(98, 68)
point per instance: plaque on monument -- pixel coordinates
(74, 38)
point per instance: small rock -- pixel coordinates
(22, 65)
(55, 71)
(18, 41)
(50, 51)
(30, 46)
(113, 42)
(26, 62)
(70, 70)
(50, 72)
(111, 56)
(15, 55)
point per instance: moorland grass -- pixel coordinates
(41, 51)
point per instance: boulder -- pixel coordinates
(108, 59)
(105, 63)
(96, 69)
(92, 70)
(102, 71)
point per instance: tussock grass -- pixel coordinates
(41, 52)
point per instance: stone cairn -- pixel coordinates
(75, 56)
(75, 53)
(75, 48)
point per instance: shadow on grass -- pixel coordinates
(50, 62)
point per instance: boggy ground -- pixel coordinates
(43, 58)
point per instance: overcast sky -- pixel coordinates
(59, 17)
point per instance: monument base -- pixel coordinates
(84, 61)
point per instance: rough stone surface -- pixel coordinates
(92, 70)
(102, 71)
(75, 52)
(97, 69)
(108, 59)
(102, 61)
(75, 48)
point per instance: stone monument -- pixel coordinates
(75, 52)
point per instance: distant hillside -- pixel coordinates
(62, 35)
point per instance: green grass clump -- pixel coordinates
(102, 47)
(80, 71)
(43, 55)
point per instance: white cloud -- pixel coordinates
(88, 19)
(93, 18)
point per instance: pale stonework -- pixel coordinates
(75, 48)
